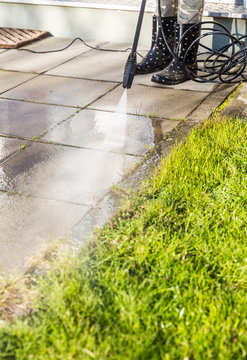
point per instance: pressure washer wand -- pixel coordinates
(130, 67)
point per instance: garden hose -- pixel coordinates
(224, 65)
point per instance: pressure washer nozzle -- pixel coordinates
(129, 71)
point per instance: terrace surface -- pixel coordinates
(64, 139)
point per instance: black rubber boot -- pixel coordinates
(158, 56)
(174, 73)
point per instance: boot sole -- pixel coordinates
(172, 82)
(169, 82)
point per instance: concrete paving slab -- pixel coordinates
(25, 119)
(26, 224)
(111, 132)
(9, 146)
(63, 173)
(97, 65)
(165, 103)
(19, 60)
(60, 91)
(10, 79)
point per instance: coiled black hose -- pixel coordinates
(224, 65)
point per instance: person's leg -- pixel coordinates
(159, 56)
(168, 8)
(189, 13)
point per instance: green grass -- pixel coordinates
(165, 280)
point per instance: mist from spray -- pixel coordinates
(49, 180)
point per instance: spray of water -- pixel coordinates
(116, 132)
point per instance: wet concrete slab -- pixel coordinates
(9, 146)
(95, 218)
(26, 119)
(24, 61)
(26, 224)
(143, 100)
(63, 173)
(10, 79)
(60, 91)
(111, 131)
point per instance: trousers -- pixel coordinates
(186, 11)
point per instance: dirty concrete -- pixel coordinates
(64, 142)
(142, 100)
(238, 105)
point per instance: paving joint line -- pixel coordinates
(27, 196)
(84, 148)
(132, 114)
(14, 153)
(101, 96)
(34, 102)
(96, 206)
(83, 78)
(1, 93)
(218, 98)
(62, 63)
(31, 141)
(45, 71)
(70, 106)
(43, 103)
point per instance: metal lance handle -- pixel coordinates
(130, 67)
